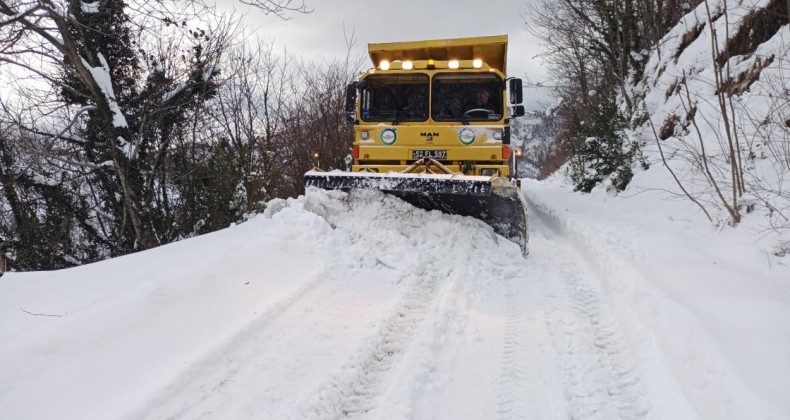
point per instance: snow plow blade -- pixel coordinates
(494, 200)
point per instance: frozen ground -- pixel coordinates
(336, 306)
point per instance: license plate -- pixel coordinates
(433, 154)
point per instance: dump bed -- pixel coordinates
(491, 49)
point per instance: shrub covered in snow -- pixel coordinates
(606, 153)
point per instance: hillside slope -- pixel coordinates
(715, 91)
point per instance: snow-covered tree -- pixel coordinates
(102, 94)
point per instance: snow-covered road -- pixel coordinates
(360, 306)
(480, 336)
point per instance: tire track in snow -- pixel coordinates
(621, 390)
(513, 371)
(597, 365)
(353, 391)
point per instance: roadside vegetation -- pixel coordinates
(126, 125)
(698, 89)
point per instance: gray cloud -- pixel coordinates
(320, 34)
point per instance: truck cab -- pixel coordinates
(446, 100)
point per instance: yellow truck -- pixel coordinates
(432, 126)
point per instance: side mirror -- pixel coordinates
(518, 111)
(351, 102)
(516, 93)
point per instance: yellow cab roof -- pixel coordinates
(491, 49)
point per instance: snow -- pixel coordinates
(18, 15)
(43, 180)
(103, 79)
(679, 79)
(356, 304)
(335, 305)
(175, 91)
(712, 302)
(90, 7)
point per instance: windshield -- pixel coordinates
(467, 97)
(395, 98)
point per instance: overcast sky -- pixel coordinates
(320, 34)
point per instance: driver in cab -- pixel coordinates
(479, 104)
(475, 102)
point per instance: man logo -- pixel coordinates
(429, 136)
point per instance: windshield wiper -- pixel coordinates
(406, 111)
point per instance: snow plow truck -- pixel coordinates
(432, 126)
